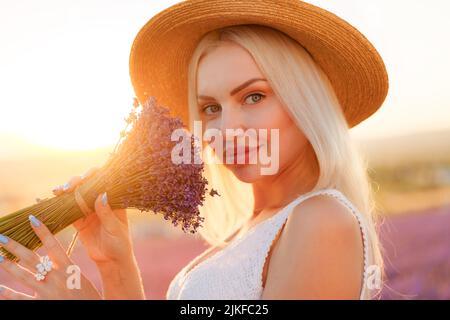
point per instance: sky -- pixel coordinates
(64, 80)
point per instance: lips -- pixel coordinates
(246, 150)
(232, 153)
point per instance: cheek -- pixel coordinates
(277, 118)
(291, 139)
(270, 115)
(211, 134)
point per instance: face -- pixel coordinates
(233, 94)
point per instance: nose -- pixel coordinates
(231, 120)
(233, 128)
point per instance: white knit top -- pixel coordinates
(235, 272)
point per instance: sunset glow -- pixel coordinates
(64, 67)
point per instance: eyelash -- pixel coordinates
(251, 94)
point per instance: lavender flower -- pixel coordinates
(145, 176)
(139, 174)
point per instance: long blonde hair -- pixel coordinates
(297, 81)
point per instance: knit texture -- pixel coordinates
(235, 272)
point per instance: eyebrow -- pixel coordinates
(237, 89)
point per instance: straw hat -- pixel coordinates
(162, 49)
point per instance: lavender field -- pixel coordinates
(417, 254)
(416, 244)
(416, 251)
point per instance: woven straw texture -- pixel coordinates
(161, 50)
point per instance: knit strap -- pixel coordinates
(280, 221)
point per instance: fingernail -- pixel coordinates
(84, 176)
(104, 199)
(3, 239)
(66, 186)
(57, 188)
(2, 259)
(34, 221)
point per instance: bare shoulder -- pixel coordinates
(319, 254)
(322, 213)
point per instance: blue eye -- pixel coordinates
(212, 109)
(254, 95)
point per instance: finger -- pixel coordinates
(58, 190)
(121, 214)
(26, 257)
(23, 275)
(50, 243)
(89, 173)
(73, 182)
(105, 214)
(10, 294)
(83, 222)
(69, 186)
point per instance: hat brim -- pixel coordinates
(162, 49)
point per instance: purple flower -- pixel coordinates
(143, 176)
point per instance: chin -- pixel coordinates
(247, 173)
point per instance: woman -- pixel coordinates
(305, 231)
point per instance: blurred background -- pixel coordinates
(65, 91)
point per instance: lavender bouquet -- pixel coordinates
(139, 174)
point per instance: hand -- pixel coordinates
(54, 285)
(105, 233)
(106, 237)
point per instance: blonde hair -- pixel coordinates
(297, 81)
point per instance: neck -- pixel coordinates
(296, 178)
